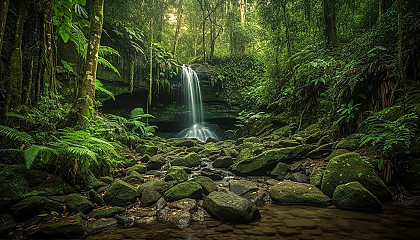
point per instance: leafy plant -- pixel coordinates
(15, 135)
(347, 111)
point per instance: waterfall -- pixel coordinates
(191, 88)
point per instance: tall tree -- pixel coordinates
(87, 88)
(178, 25)
(330, 22)
(4, 7)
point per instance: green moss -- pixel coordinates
(72, 226)
(54, 186)
(350, 143)
(279, 171)
(206, 183)
(316, 178)
(336, 153)
(119, 193)
(354, 196)
(158, 185)
(32, 206)
(13, 184)
(144, 149)
(190, 160)
(176, 173)
(156, 162)
(106, 213)
(184, 190)
(140, 168)
(288, 192)
(76, 203)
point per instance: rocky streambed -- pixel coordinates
(186, 189)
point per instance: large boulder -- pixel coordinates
(53, 185)
(96, 198)
(241, 187)
(134, 178)
(32, 206)
(190, 160)
(288, 192)
(223, 162)
(158, 185)
(268, 159)
(230, 207)
(184, 190)
(350, 167)
(206, 183)
(120, 193)
(101, 225)
(70, 227)
(176, 173)
(76, 203)
(149, 196)
(354, 196)
(279, 171)
(350, 143)
(156, 162)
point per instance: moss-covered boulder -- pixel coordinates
(87, 180)
(144, 149)
(335, 153)
(96, 198)
(350, 143)
(76, 203)
(106, 213)
(149, 196)
(250, 152)
(350, 167)
(183, 142)
(32, 206)
(140, 168)
(101, 225)
(316, 178)
(158, 185)
(156, 162)
(241, 187)
(353, 196)
(279, 171)
(184, 190)
(206, 183)
(13, 184)
(190, 160)
(223, 162)
(70, 227)
(53, 185)
(134, 178)
(230, 207)
(120, 193)
(288, 192)
(176, 173)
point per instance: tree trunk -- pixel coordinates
(178, 26)
(149, 102)
(204, 32)
(330, 22)
(4, 8)
(212, 38)
(242, 4)
(14, 86)
(131, 74)
(87, 88)
(383, 6)
(286, 25)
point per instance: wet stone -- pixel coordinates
(186, 204)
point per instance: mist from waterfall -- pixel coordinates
(191, 89)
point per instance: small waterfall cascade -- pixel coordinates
(191, 89)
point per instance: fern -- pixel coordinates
(35, 151)
(15, 135)
(99, 87)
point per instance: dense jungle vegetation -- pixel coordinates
(301, 72)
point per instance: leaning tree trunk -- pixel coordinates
(4, 7)
(330, 22)
(14, 86)
(87, 88)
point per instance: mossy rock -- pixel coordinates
(106, 179)
(76, 203)
(158, 185)
(229, 152)
(336, 153)
(279, 171)
(144, 149)
(184, 190)
(140, 168)
(145, 158)
(156, 162)
(288, 192)
(184, 143)
(350, 167)
(87, 180)
(250, 152)
(32, 206)
(350, 143)
(120, 193)
(284, 131)
(230, 207)
(13, 184)
(211, 146)
(252, 140)
(206, 183)
(316, 177)
(96, 198)
(176, 173)
(190, 160)
(106, 213)
(128, 161)
(353, 196)
(211, 140)
(223, 162)
(54, 185)
(65, 227)
(134, 178)
(101, 225)
(149, 196)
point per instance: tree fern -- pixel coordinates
(15, 135)
(37, 151)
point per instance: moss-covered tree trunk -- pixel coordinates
(87, 88)
(4, 7)
(14, 85)
(330, 22)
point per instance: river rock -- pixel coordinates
(96, 198)
(241, 187)
(55, 185)
(184, 190)
(66, 227)
(335, 153)
(140, 168)
(354, 196)
(316, 177)
(76, 203)
(190, 160)
(32, 206)
(223, 162)
(158, 185)
(120, 193)
(206, 183)
(288, 192)
(186, 204)
(212, 173)
(149, 196)
(279, 171)
(156, 162)
(180, 219)
(144, 149)
(350, 143)
(230, 207)
(106, 213)
(134, 178)
(101, 224)
(176, 173)
(350, 167)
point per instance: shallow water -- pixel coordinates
(289, 222)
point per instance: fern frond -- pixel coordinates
(34, 151)
(15, 135)
(107, 64)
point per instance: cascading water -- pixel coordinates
(192, 92)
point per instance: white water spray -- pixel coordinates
(192, 91)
